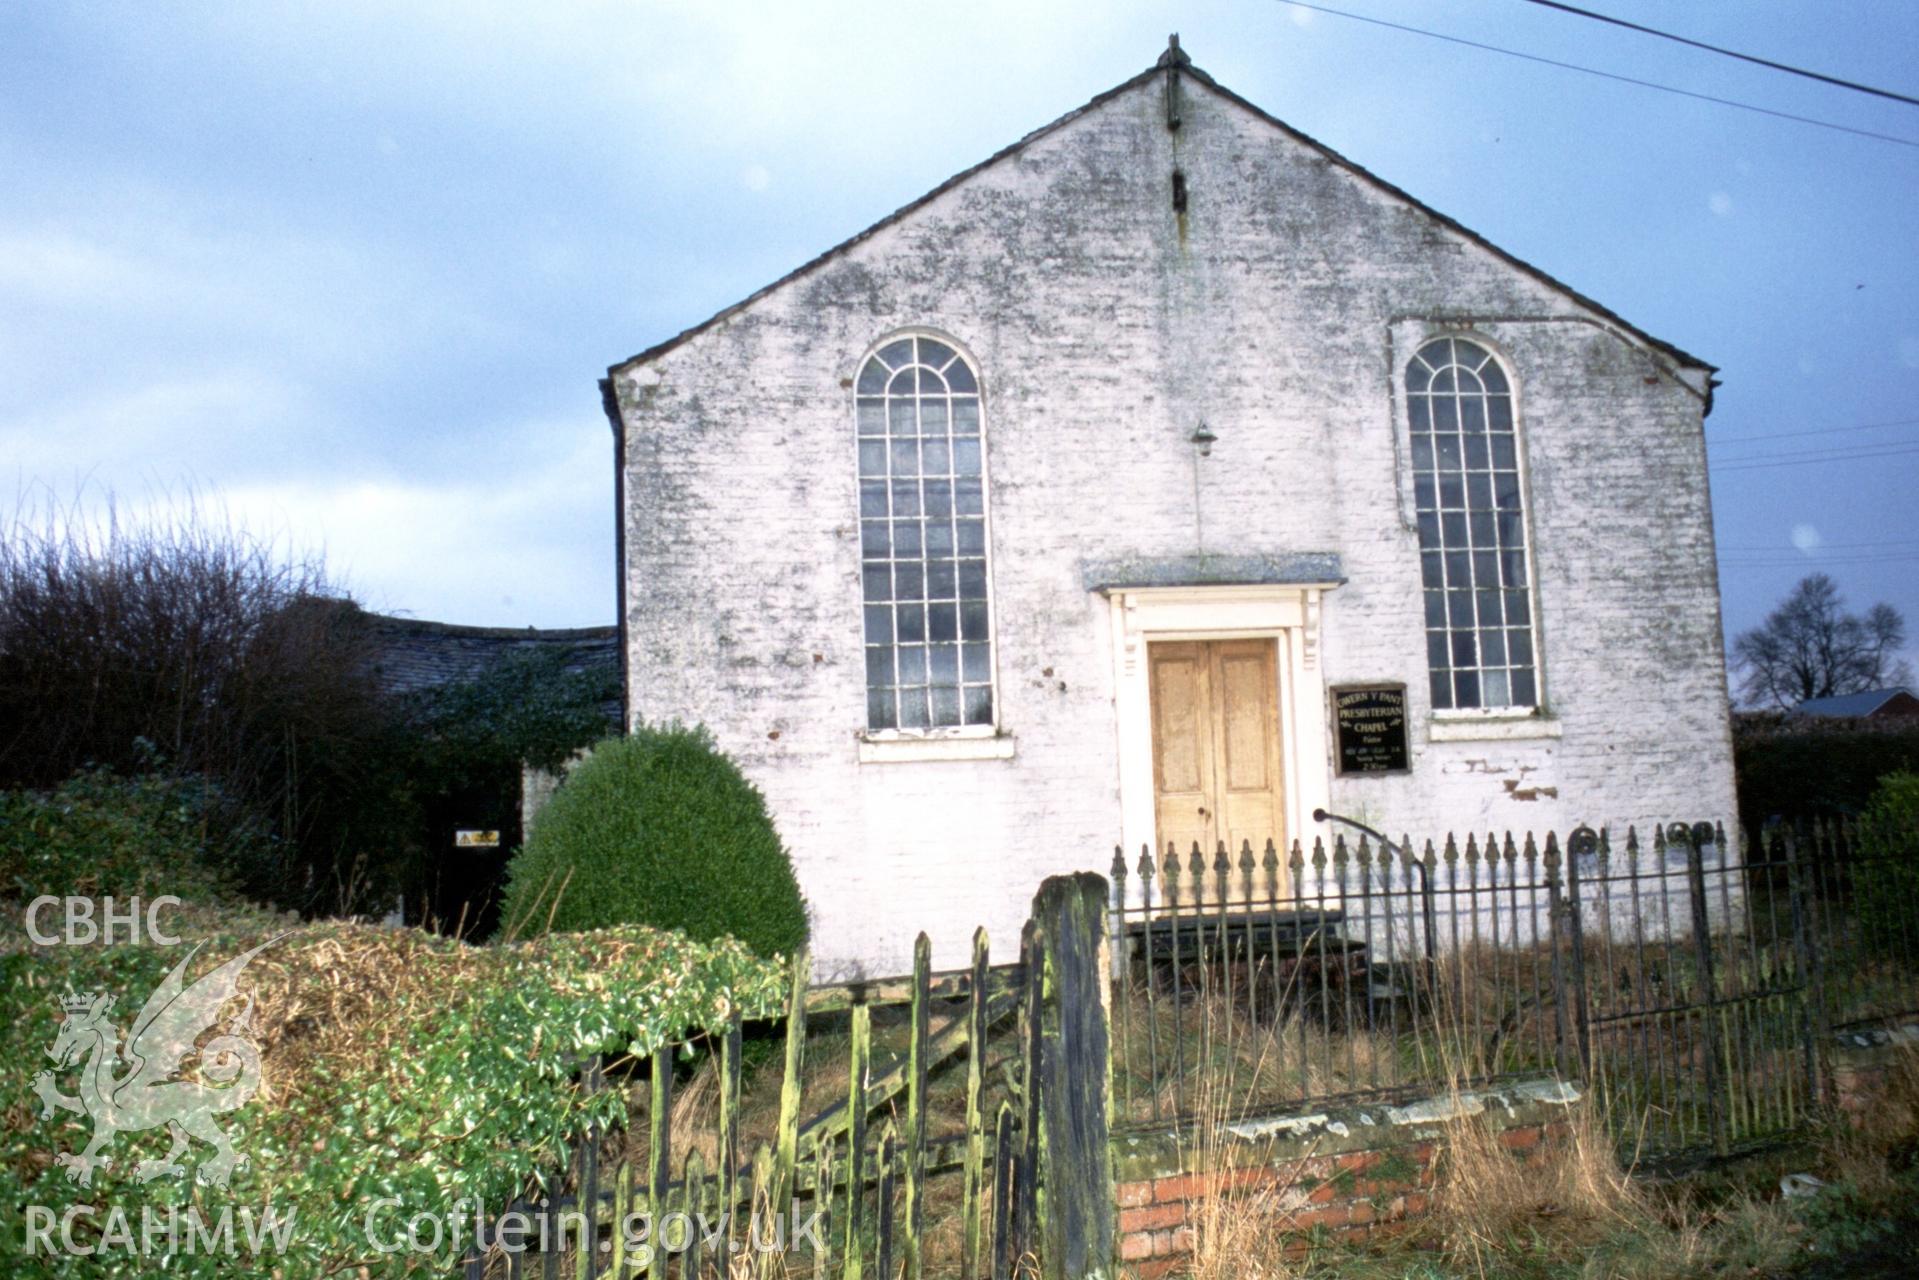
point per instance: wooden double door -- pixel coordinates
(1217, 758)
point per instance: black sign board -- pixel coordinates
(1369, 725)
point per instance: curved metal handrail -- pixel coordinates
(1428, 909)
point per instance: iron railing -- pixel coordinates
(1691, 983)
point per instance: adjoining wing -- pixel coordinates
(175, 1015)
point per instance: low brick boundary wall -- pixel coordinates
(1345, 1169)
(1862, 1060)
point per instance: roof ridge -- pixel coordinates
(823, 256)
(1543, 276)
(1175, 59)
(425, 626)
(1883, 693)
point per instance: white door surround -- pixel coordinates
(1289, 614)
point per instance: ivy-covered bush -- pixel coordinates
(658, 828)
(396, 1065)
(528, 708)
(402, 1071)
(100, 832)
(1886, 881)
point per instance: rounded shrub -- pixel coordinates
(657, 828)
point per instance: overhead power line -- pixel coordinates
(1788, 68)
(1606, 75)
(1782, 548)
(1867, 450)
(1813, 431)
(1811, 561)
(1806, 564)
(1812, 459)
(1819, 553)
(1816, 559)
(1826, 451)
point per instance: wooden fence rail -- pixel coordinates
(828, 1194)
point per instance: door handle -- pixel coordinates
(1202, 812)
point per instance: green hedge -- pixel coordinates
(416, 1068)
(1886, 887)
(101, 833)
(658, 828)
(1798, 768)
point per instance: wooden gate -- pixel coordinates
(1019, 1052)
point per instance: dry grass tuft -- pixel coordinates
(1241, 1236)
(1238, 1231)
(1227, 1058)
(1866, 1151)
(1746, 1237)
(345, 996)
(1486, 1193)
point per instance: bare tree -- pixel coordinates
(1810, 647)
(181, 641)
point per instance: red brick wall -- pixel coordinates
(1863, 1062)
(1355, 1191)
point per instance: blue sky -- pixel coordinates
(354, 269)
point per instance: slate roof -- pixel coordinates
(412, 654)
(1174, 59)
(1851, 705)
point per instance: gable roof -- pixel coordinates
(1173, 60)
(1851, 705)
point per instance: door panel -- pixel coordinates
(1248, 714)
(1245, 688)
(1180, 723)
(1216, 750)
(1182, 745)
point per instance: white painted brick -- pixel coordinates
(1104, 333)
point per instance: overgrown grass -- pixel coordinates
(1476, 1014)
(1570, 1211)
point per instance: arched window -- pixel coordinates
(929, 656)
(1472, 529)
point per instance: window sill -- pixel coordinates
(976, 746)
(1490, 728)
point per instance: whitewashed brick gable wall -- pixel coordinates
(1104, 331)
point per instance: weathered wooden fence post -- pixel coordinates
(1075, 1232)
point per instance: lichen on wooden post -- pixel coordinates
(659, 1118)
(729, 1152)
(859, 1054)
(787, 1142)
(914, 1217)
(693, 1202)
(1074, 1234)
(973, 1218)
